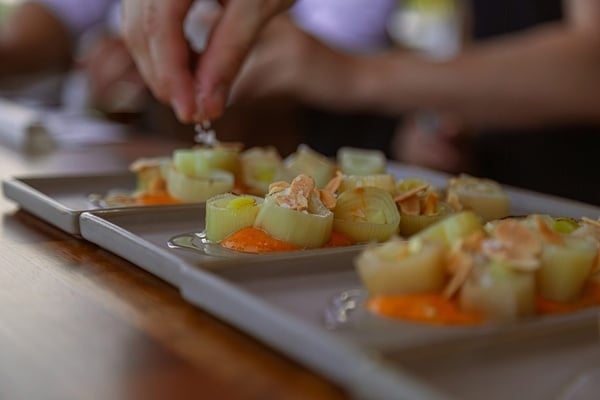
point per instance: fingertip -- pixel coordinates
(183, 109)
(213, 105)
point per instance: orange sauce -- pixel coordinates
(253, 240)
(155, 199)
(428, 308)
(435, 309)
(338, 240)
(590, 297)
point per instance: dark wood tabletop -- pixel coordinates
(77, 322)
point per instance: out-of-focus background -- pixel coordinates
(87, 90)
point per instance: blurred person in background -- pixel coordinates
(538, 81)
(44, 38)
(158, 43)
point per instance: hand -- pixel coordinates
(434, 141)
(288, 62)
(153, 30)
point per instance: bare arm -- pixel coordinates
(33, 40)
(548, 75)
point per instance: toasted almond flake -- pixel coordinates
(334, 184)
(411, 192)
(328, 199)
(461, 263)
(517, 236)
(294, 196)
(278, 186)
(547, 233)
(302, 185)
(514, 244)
(430, 203)
(410, 205)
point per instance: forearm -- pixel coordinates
(551, 75)
(33, 40)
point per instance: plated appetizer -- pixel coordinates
(293, 216)
(459, 271)
(484, 196)
(355, 209)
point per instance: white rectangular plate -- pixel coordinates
(282, 299)
(59, 200)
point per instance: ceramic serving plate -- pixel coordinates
(308, 305)
(59, 200)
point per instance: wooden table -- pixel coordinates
(77, 322)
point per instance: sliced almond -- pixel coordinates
(430, 203)
(328, 199)
(278, 186)
(411, 192)
(410, 205)
(334, 184)
(461, 263)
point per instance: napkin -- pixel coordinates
(36, 129)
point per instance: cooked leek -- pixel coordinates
(306, 229)
(399, 268)
(499, 292)
(259, 166)
(149, 173)
(228, 213)
(404, 185)
(361, 162)
(366, 214)
(411, 224)
(484, 196)
(450, 229)
(200, 162)
(565, 268)
(189, 189)
(309, 162)
(382, 181)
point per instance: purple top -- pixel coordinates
(351, 25)
(80, 15)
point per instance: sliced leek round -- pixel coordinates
(382, 181)
(228, 213)
(189, 189)
(353, 161)
(450, 229)
(397, 267)
(366, 214)
(484, 196)
(499, 292)
(149, 174)
(259, 166)
(200, 162)
(306, 229)
(309, 162)
(411, 224)
(565, 268)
